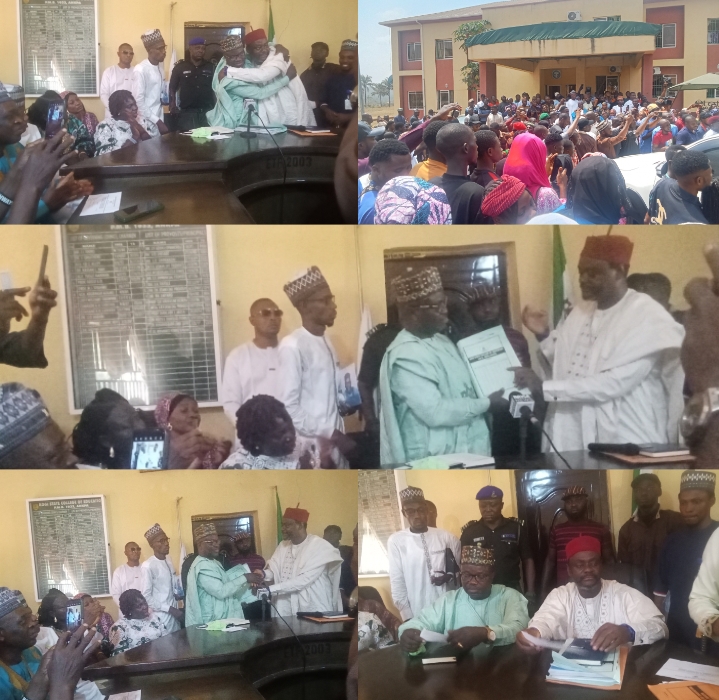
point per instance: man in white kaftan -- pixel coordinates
(118, 76)
(148, 80)
(309, 369)
(704, 598)
(589, 607)
(616, 375)
(254, 367)
(128, 575)
(303, 573)
(290, 104)
(418, 558)
(159, 580)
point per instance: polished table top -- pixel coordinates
(576, 459)
(262, 653)
(231, 181)
(505, 673)
(174, 153)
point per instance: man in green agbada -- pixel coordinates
(478, 613)
(428, 403)
(229, 111)
(213, 593)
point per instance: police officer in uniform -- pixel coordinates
(193, 80)
(507, 537)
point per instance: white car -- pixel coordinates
(643, 171)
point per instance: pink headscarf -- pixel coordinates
(527, 162)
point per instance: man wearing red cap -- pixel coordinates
(616, 375)
(304, 571)
(589, 607)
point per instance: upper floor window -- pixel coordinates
(443, 48)
(414, 51)
(666, 37)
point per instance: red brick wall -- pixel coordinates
(669, 15)
(405, 38)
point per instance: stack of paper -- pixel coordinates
(230, 624)
(605, 675)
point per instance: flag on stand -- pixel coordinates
(561, 282)
(271, 27)
(279, 516)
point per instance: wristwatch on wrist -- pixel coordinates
(491, 635)
(697, 415)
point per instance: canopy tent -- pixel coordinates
(708, 81)
(564, 30)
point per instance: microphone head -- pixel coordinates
(518, 401)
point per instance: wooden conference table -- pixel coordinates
(505, 673)
(263, 661)
(229, 181)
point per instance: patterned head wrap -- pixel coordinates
(152, 38)
(304, 283)
(153, 532)
(10, 600)
(407, 288)
(502, 196)
(165, 406)
(231, 42)
(477, 555)
(411, 495)
(242, 535)
(349, 45)
(409, 200)
(22, 416)
(574, 491)
(202, 530)
(695, 480)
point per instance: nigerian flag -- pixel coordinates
(271, 27)
(279, 512)
(561, 282)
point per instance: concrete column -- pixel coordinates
(647, 74)
(488, 78)
(580, 73)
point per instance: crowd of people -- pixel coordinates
(224, 578)
(610, 372)
(536, 160)
(200, 93)
(481, 588)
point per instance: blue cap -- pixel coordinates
(489, 492)
(197, 41)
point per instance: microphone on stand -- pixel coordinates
(522, 406)
(250, 106)
(264, 596)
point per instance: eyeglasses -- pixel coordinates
(266, 313)
(474, 577)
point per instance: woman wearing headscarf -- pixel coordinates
(179, 415)
(508, 201)
(409, 200)
(76, 107)
(527, 162)
(597, 193)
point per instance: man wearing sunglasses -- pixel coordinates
(254, 368)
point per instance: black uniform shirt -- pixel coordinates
(194, 84)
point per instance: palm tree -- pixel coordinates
(365, 84)
(384, 87)
(470, 72)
